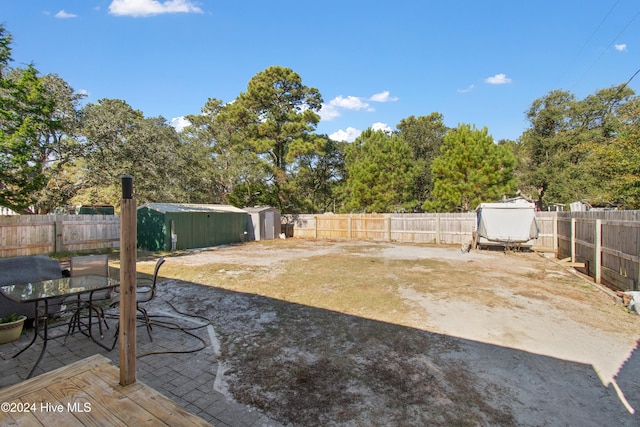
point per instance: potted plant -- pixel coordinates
(11, 327)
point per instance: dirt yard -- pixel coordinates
(363, 334)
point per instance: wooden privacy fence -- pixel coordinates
(439, 228)
(607, 243)
(45, 234)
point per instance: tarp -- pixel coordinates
(507, 222)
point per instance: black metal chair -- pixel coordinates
(89, 265)
(144, 293)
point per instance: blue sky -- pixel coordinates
(374, 63)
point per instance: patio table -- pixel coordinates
(44, 291)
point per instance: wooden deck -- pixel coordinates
(88, 392)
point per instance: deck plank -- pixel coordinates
(67, 392)
(41, 381)
(93, 381)
(47, 409)
(107, 396)
(146, 396)
(18, 418)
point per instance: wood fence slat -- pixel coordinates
(44, 234)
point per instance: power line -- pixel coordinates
(628, 81)
(607, 48)
(631, 78)
(589, 39)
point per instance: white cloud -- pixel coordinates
(64, 15)
(328, 112)
(348, 135)
(383, 97)
(467, 90)
(382, 127)
(349, 103)
(621, 47)
(179, 123)
(498, 79)
(331, 110)
(151, 7)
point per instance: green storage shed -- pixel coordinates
(171, 226)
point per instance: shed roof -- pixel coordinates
(190, 207)
(255, 209)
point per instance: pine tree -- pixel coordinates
(471, 169)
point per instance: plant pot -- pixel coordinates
(11, 331)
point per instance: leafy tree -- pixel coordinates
(424, 135)
(470, 169)
(249, 193)
(120, 140)
(380, 174)
(562, 143)
(20, 163)
(226, 160)
(546, 146)
(318, 176)
(617, 164)
(58, 143)
(38, 115)
(5, 50)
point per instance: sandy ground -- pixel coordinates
(493, 339)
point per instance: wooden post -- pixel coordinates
(573, 240)
(315, 226)
(59, 235)
(636, 284)
(127, 335)
(437, 229)
(349, 227)
(555, 234)
(598, 251)
(389, 228)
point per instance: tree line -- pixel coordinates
(262, 149)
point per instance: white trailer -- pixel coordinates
(506, 224)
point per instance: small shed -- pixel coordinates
(511, 222)
(171, 226)
(264, 223)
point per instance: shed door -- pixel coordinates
(269, 232)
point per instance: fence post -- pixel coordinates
(349, 227)
(598, 251)
(389, 228)
(58, 233)
(573, 240)
(315, 226)
(555, 235)
(437, 229)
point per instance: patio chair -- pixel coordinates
(89, 265)
(146, 290)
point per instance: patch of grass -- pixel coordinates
(323, 339)
(320, 367)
